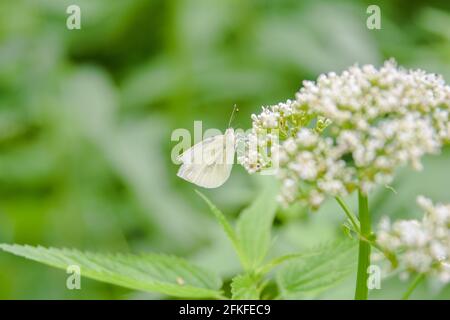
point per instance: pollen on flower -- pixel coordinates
(421, 246)
(350, 131)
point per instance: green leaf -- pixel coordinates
(281, 259)
(223, 222)
(254, 226)
(147, 272)
(245, 287)
(330, 264)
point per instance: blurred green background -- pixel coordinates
(86, 118)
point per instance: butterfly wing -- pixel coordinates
(208, 163)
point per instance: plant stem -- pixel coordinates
(362, 291)
(413, 285)
(349, 214)
(355, 223)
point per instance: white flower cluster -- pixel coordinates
(421, 246)
(350, 131)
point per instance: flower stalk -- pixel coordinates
(351, 217)
(413, 285)
(362, 291)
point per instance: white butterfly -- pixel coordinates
(208, 163)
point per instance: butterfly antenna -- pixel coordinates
(235, 109)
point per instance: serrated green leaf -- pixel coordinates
(308, 277)
(147, 272)
(254, 226)
(245, 287)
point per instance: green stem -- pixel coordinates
(355, 223)
(362, 291)
(413, 285)
(349, 214)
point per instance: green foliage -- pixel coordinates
(329, 264)
(147, 272)
(308, 273)
(305, 272)
(254, 226)
(86, 118)
(245, 287)
(223, 222)
(251, 239)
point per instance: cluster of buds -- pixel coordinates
(420, 246)
(349, 131)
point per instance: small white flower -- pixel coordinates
(421, 246)
(438, 251)
(290, 146)
(306, 137)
